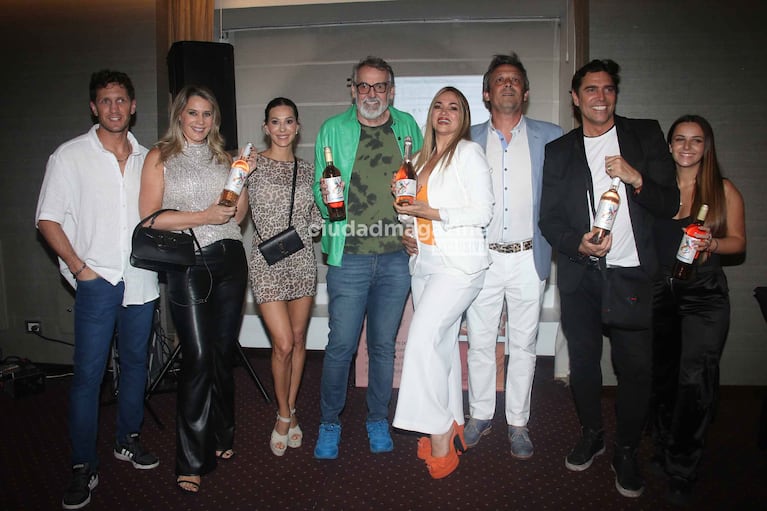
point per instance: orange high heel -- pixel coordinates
(458, 440)
(424, 447)
(443, 466)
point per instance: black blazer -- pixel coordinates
(565, 204)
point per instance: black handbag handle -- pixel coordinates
(154, 216)
(292, 199)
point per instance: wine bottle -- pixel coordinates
(405, 178)
(331, 176)
(687, 254)
(606, 211)
(236, 180)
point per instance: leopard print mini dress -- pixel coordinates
(269, 187)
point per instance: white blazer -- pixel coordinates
(463, 193)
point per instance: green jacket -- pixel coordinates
(342, 133)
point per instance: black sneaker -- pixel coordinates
(628, 480)
(591, 445)
(131, 450)
(78, 493)
(679, 492)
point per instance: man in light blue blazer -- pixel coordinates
(521, 256)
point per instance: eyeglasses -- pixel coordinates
(364, 87)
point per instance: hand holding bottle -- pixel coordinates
(696, 239)
(588, 248)
(217, 214)
(616, 166)
(418, 208)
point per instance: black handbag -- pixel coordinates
(627, 297)
(287, 242)
(162, 251)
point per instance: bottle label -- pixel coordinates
(236, 179)
(404, 188)
(335, 190)
(686, 252)
(605, 216)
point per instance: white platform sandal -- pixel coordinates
(295, 435)
(279, 443)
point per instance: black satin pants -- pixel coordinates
(691, 319)
(208, 334)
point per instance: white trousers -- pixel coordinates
(430, 395)
(561, 356)
(513, 277)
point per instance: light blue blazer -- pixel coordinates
(539, 133)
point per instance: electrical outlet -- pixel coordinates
(33, 327)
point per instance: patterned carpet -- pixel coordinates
(34, 458)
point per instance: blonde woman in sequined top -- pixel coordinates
(186, 171)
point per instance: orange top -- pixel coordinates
(424, 227)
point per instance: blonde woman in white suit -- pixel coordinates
(452, 208)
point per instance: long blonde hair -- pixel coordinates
(430, 140)
(172, 143)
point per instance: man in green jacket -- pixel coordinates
(367, 266)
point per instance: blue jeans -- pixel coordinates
(98, 308)
(378, 285)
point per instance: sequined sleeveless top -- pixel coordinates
(194, 181)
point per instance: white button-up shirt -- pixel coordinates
(512, 185)
(97, 207)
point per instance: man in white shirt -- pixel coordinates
(578, 168)
(87, 210)
(521, 258)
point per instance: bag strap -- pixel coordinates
(157, 213)
(292, 199)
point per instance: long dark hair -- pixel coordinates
(709, 186)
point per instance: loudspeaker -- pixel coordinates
(210, 65)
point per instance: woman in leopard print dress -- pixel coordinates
(284, 290)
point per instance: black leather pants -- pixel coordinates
(208, 335)
(691, 320)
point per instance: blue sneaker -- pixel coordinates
(475, 429)
(327, 442)
(379, 436)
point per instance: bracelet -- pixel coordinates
(78, 272)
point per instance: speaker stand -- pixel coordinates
(153, 386)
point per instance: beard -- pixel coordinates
(371, 109)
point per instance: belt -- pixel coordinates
(512, 248)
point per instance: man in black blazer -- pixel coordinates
(578, 167)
